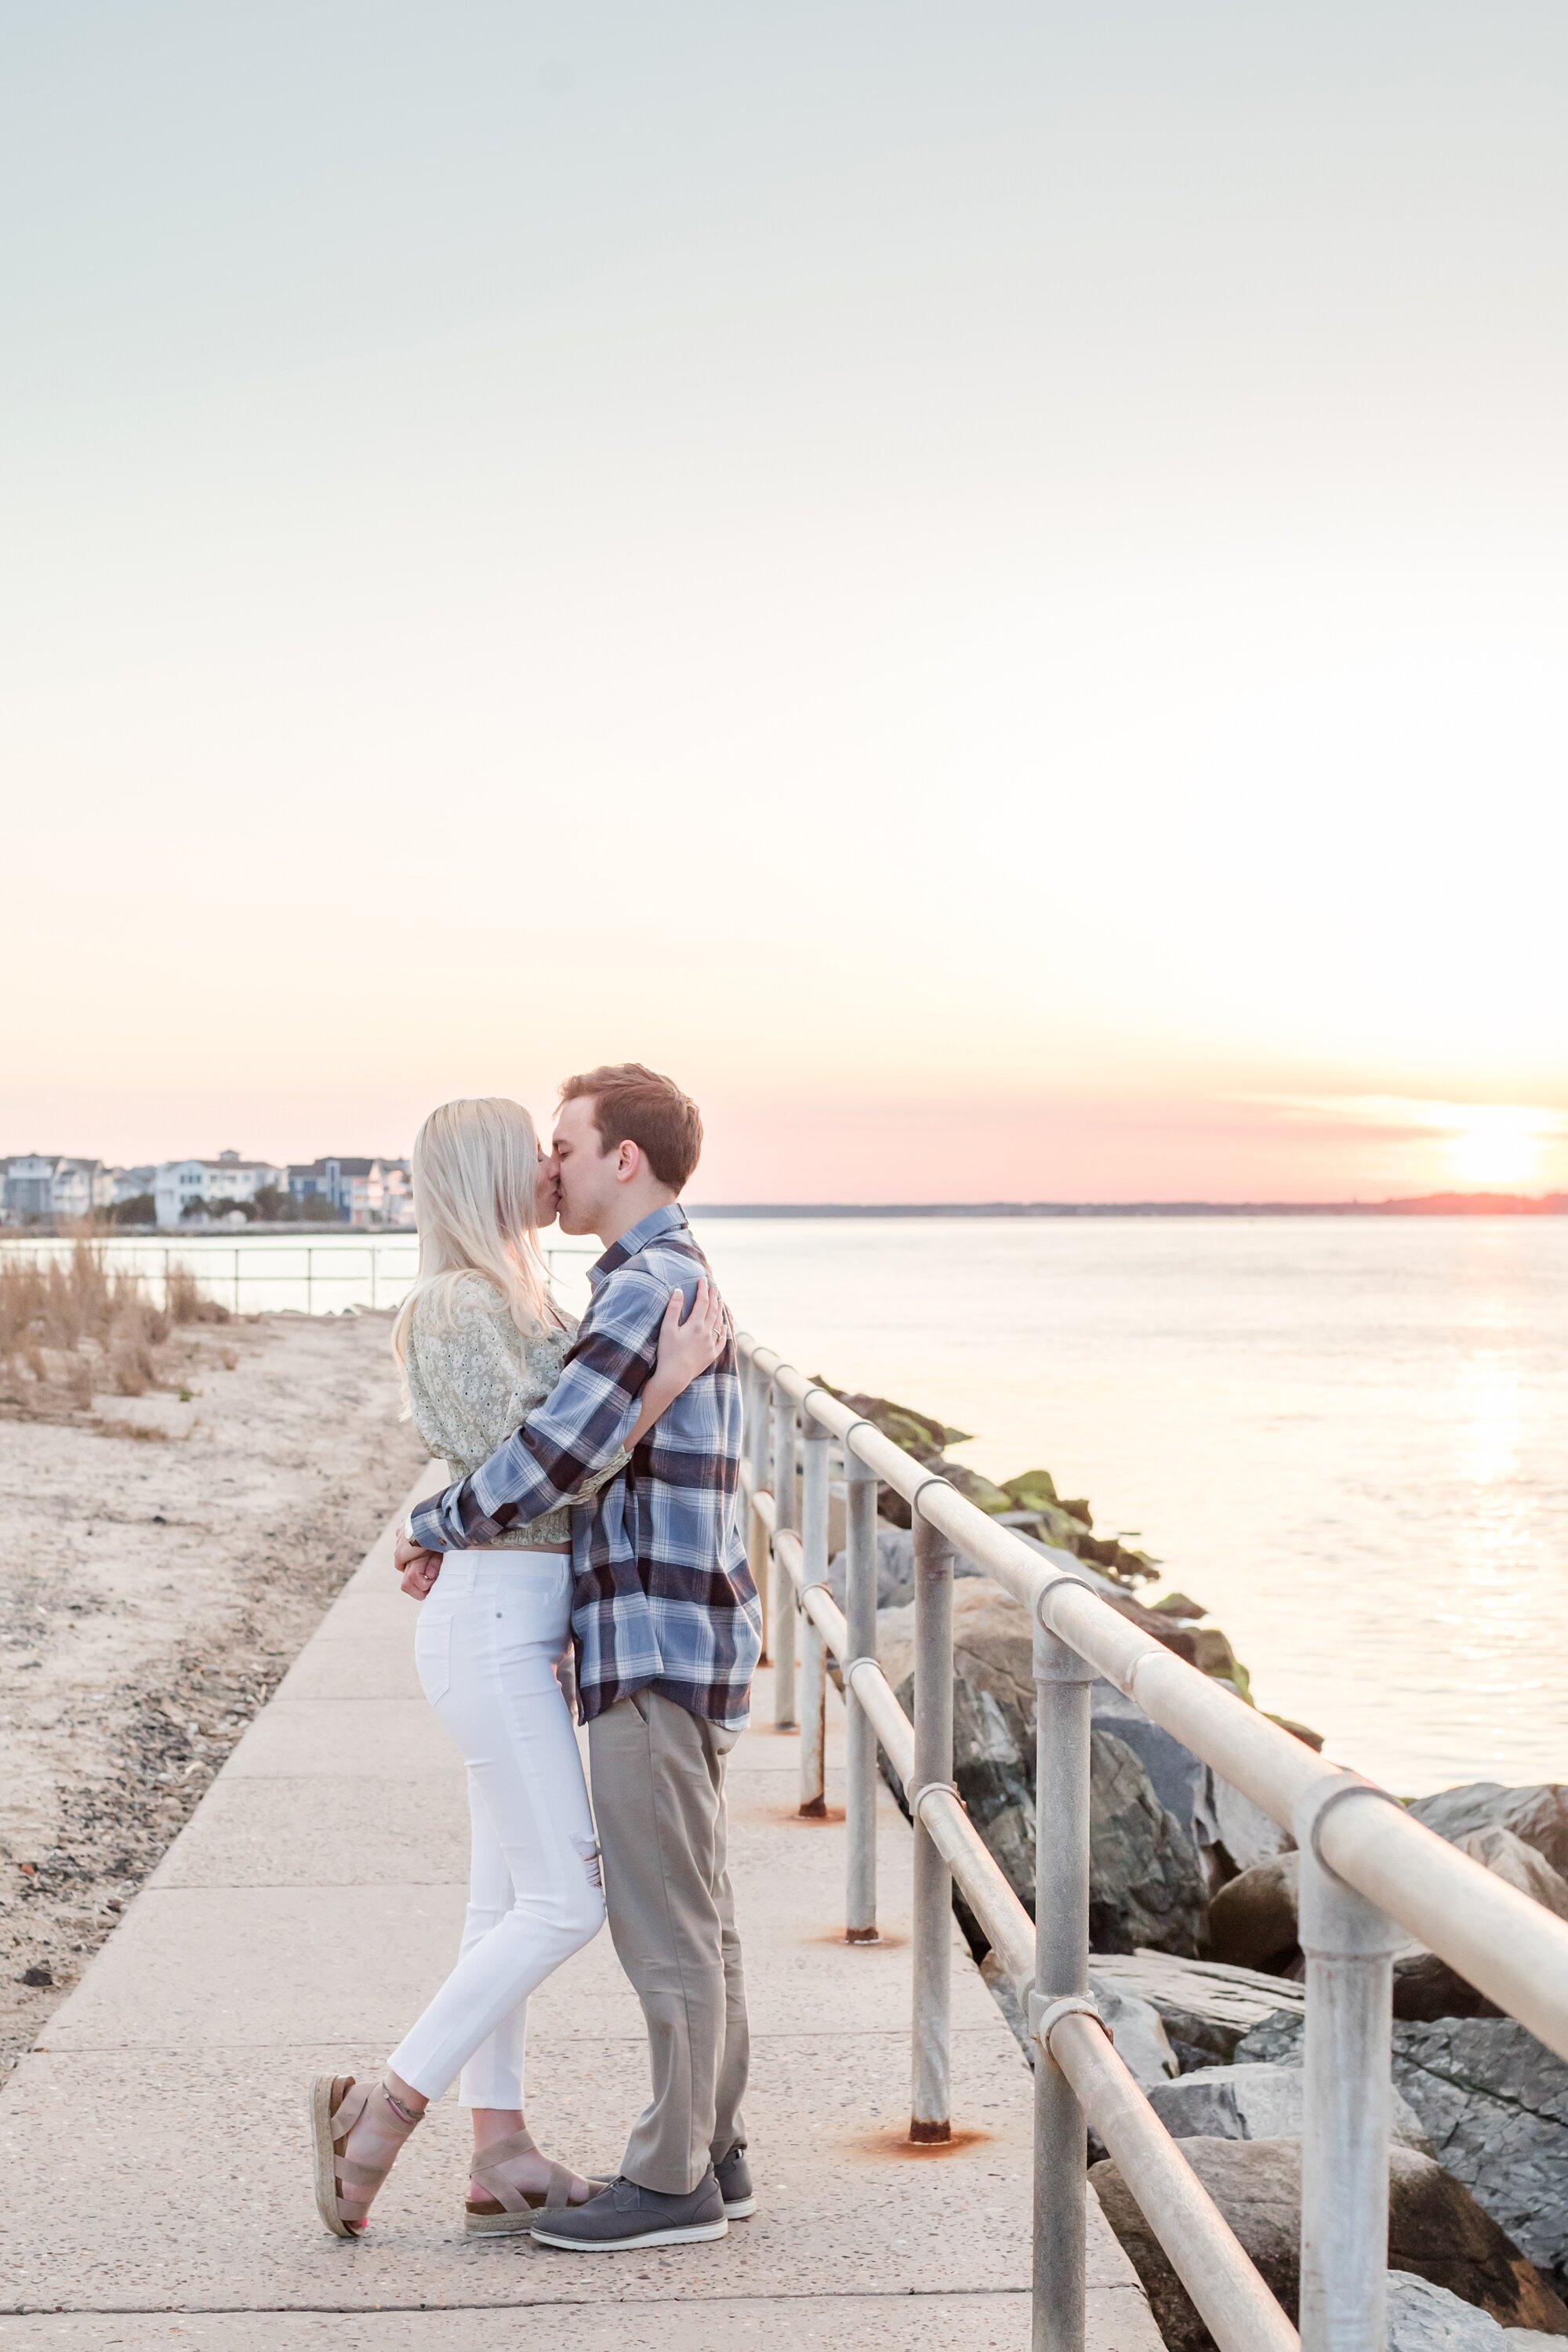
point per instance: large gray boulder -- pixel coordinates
(1256, 2101)
(1518, 1864)
(1252, 1920)
(1207, 2009)
(1538, 1814)
(1494, 2103)
(1145, 1880)
(1177, 1777)
(1244, 1833)
(1426, 2318)
(994, 1658)
(1426, 1987)
(1435, 2228)
(895, 1569)
(1252, 1923)
(1148, 1883)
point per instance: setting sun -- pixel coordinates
(1501, 1144)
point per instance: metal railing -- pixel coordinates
(1368, 1870)
(233, 1268)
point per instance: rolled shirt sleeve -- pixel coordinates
(574, 1434)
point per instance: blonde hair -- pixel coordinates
(474, 1168)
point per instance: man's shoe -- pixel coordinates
(626, 2215)
(734, 2179)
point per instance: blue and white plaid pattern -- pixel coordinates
(663, 1594)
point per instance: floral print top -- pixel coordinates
(473, 1378)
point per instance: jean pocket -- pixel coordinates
(433, 1652)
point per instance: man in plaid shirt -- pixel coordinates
(669, 1632)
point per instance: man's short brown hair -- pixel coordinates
(632, 1104)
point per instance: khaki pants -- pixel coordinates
(658, 1799)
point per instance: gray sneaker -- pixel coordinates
(734, 2179)
(625, 2215)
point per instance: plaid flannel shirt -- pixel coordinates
(663, 1595)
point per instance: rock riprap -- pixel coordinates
(1029, 1502)
(1256, 2101)
(1208, 2010)
(1193, 1915)
(1435, 2228)
(1252, 1922)
(1426, 2318)
(1135, 2025)
(1537, 1815)
(1148, 1882)
(1494, 2103)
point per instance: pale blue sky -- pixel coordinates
(994, 578)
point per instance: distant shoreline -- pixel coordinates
(1431, 1204)
(1436, 1204)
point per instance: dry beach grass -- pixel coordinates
(180, 1497)
(71, 1327)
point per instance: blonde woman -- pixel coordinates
(482, 1343)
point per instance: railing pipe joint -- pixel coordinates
(1057, 1661)
(1046, 2013)
(930, 1789)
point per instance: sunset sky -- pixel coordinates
(986, 585)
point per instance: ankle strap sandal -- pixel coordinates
(508, 2211)
(337, 2103)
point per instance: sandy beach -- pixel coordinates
(158, 1573)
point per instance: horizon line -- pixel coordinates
(1460, 1205)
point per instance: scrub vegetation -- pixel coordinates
(72, 1328)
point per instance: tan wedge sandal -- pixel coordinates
(337, 2102)
(509, 2211)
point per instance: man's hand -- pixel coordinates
(418, 1568)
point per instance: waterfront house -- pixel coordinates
(220, 1184)
(363, 1192)
(47, 1184)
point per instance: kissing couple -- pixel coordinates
(596, 1471)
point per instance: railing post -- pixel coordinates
(783, 1591)
(930, 2117)
(1062, 1682)
(814, 1653)
(1349, 1944)
(860, 1740)
(758, 1434)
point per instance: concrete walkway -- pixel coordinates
(156, 2181)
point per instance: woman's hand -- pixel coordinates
(687, 1349)
(419, 1568)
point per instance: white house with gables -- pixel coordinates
(222, 1183)
(47, 1184)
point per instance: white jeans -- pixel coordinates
(486, 1647)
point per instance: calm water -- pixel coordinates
(1347, 1437)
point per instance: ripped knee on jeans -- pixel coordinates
(588, 1853)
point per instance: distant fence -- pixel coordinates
(1365, 1864)
(311, 1278)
